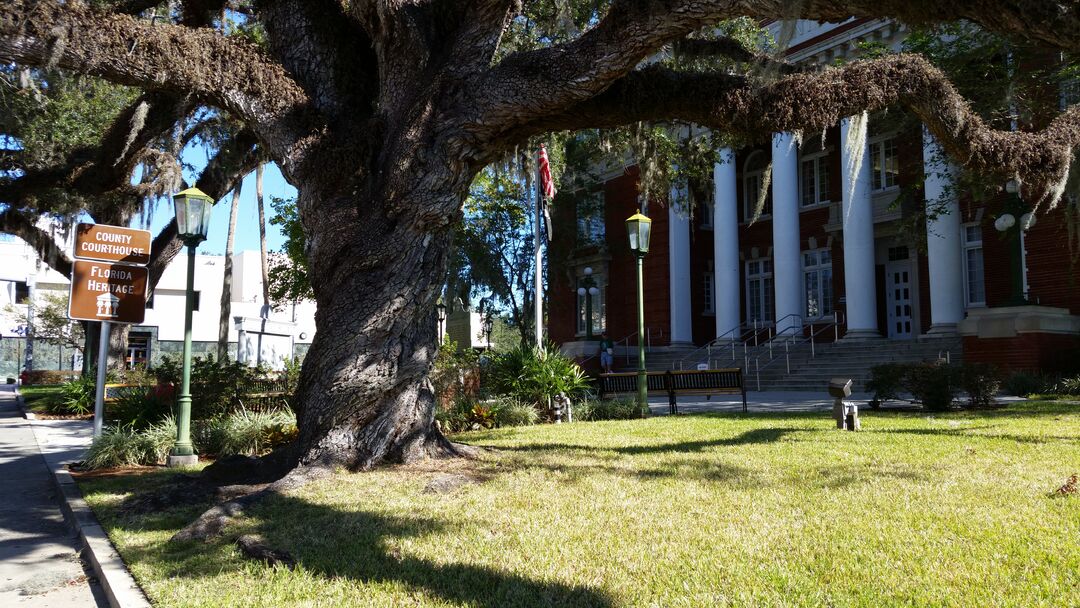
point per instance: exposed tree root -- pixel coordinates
(211, 523)
(254, 548)
(257, 471)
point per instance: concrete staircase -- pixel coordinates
(809, 371)
(659, 358)
(846, 359)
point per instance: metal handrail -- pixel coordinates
(796, 339)
(626, 340)
(755, 330)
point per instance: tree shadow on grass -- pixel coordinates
(751, 437)
(965, 433)
(361, 546)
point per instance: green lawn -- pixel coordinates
(36, 397)
(759, 510)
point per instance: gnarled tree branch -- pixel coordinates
(811, 102)
(18, 223)
(163, 57)
(532, 84)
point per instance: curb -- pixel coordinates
(119, 586)
(22, 408)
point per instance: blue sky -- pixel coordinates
(247, 219)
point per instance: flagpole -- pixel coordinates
(538, 259)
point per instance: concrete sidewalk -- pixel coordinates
(39, 563)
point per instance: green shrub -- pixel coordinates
(245, 432)
(536, 375)
(511, 412)
(465, 414)
(1023, 384)
(454, 417)
(934, 385)
(139, 408)
(76, 397)
(219, 387)
(981, 382)
(607, 409)
(123, 445)
(886, 381)
(1067, 386)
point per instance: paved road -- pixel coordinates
(39, 566)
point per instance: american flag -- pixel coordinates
(546, 182)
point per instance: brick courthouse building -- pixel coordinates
(826, 248)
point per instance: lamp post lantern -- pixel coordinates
(440, 311)
(588, 290)
(1013, 222)
(489, 325)
(193, 208)
(639, 229)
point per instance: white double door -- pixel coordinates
(898, 291)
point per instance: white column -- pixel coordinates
(858, 222)
(725, 223)
(679, 267)
(787, 272)
(943, 249)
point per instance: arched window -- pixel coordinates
(753, 180)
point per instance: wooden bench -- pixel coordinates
(727, 381)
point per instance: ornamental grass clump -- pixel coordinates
(536, 375)
(245, 432)
(125, 446)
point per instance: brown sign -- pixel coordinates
(107, 292)
(112, 244)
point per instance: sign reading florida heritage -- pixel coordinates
(112, 244)
(107, 292)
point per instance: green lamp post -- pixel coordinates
(638, 229)
(1015, 212)
(193, 208)
(588, 290)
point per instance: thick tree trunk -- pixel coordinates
(378, 266)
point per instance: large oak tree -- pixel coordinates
(381, 112)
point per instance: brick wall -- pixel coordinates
(1025, 352)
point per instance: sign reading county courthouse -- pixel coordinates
(107, 292)
(112, 244)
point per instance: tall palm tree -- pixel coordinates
(226, 281)
(262, 238)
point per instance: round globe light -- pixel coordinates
(1027, 221)
(1004, 222)
(580, 291)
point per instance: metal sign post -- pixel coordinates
(103, 362)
